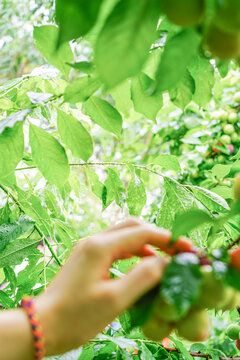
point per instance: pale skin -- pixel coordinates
(82, 300)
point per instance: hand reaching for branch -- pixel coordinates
(82, 299)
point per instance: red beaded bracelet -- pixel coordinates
(28, 305)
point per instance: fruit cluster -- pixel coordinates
(214, 294)
(233, 332)
(220, 28)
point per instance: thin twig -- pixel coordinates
(236, 242)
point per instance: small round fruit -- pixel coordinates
(219, 115)
(233, 331)
(221, 159)
(228, 16)
(184, 12)
(195, 326)
(237, 343)
(236, 97)
(157, 329)
(232, 117)
(212, 291)
(235, 254)
(221, 44)
(234, 137)
(228, 129)
(225, 139)
(166, 312)
(230, 148)
(236, 191)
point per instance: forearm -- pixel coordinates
(16, 341)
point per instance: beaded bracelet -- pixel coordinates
(28, 305)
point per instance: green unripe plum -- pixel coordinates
(221, 159)
(195, 326)
(184, 12)
(233, 331)
(225, 139)
(166, 311)
(234, 137)
(219, 115)
(212, 291)
(232, 117)
(236, 97)
(233, 302)
(157, 329)
(221, 44)
(228, 16)
(228, 129)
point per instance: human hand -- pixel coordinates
(82, 299)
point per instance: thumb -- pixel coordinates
(140, 279)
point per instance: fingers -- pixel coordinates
(131, 240)
(139, 280)
(129, 222)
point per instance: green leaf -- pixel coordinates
(146, 104)
(203, 73)
(183, 93)
(188, 221)
(5, 214)
(209, 199)
(96, 185)
(122, 97)
(51, 202)
(179, 52)
(83, 67)
(32, 207)
(19, 250)
(146, 353)
(46, 37)
(123, 44)
(63, 235)
(11, 149)
(169, 162)
(179, 345)
(176, 198)
(75, 18)
(220, 171)
(115, 189)
(181, 282)
(104, 114)
(225, 192)
(81, 89)
(87, 354)
(5, 300)
(11, 120)
(74, 135)
(49, 156)
(12, 231)
(136, 196)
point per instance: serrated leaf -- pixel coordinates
(188, 221)
(183, 93)
(115, 189)
(180, 346)
(74, 135)
(136, 196)
(5, 300)
(17, 251)
(179, 52)
(75, 18)
(46, 37)
(181, 282)
(51, 203)
(104, 114)
(209, 199)
(11, 149)
(146, 353)
(96, 185)
(81, 89)
(83, 67)
(203, 73)
(49, 156)
(124, 42)
(12, 231)
(11, 120)
(169, 162)
(146, 104)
